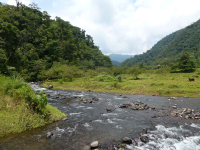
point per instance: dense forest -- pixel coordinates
(31, 42)
(169, 49)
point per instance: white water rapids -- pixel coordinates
(171, 139)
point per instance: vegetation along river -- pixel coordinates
(108, 118)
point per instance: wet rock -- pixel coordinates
(94, 144)
(174, 114)
(125, 96)
(32, 83)
(87, 147)
(49, 135)
(144, 139)
(135, 106)
(127, 140)
(174, 107)
(186, 113)
(50, 86)
(109, 109)
(175, 98)
(63, 119)
(95, 98)
(125, 105)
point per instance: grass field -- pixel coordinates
(170, 84)
(15, 113)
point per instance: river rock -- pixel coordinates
(127, 140)
(63, 119)
(49, 134)
(109, 109)
(144, 139)
(94, 144)
(87, 147)
(95, 98)
(50, 86)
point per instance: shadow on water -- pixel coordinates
(97, 116)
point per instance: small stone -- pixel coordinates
(174, 107)
(63, 119)
(175, 98)
(109, 110)
(94, 144)
(95, 98)
(174, 114)
(127, 140)
(144, 139)
(87, 147)
(50, 86)
(49, 134)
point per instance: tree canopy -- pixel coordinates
(30, 41)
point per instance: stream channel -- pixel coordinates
(101, 119)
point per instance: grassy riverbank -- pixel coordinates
(21, 109)
(169, 84)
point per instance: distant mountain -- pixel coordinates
(170, 48)
(119, 58)
(116, 63)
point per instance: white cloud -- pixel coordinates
(125, 26)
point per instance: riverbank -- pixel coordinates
(20, 108)
(169, 84)
(108, 118)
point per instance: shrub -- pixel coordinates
(105, 78)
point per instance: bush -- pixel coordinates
(20, 90)
(105, 78)
(119, 78)
(59, 71)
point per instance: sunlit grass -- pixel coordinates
(15, 113)
(171, 84)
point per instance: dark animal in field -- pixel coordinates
(191, 79)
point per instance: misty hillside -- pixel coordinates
(119, 58)
(167, 50)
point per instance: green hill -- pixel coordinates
(30, 42)
(170, 48)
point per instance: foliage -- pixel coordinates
(31, 42)
(185, 64)
(135, 70)
(105, 78)
(61, 71)
(171, 47)
(22, 109)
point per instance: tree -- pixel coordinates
(135, 71)
(185, 64)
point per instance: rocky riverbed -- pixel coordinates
(114, 121)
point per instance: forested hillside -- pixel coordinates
(170, 48)
(30, 42)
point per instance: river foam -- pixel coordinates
(171, 138)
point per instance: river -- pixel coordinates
(101, 119)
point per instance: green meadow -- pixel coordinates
(166, 84)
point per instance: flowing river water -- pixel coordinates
(102, 120)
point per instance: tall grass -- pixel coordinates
(21, 108)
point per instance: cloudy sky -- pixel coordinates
(123, 26)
